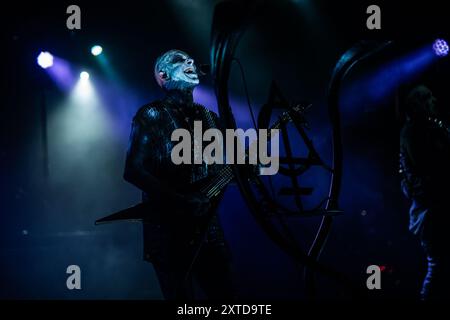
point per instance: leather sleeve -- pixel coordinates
(148, 164)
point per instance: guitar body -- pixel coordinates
(145, 211)
(172, 237)
(173, 244)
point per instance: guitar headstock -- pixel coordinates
(296, 112)
(436, 122)
(439, 124)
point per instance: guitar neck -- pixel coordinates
(218, 183)
(225, 176)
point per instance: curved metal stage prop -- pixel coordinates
(231, 19)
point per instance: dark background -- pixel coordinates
(48, 209)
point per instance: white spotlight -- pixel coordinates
(96, 50)
(84, 76)
(45, 60)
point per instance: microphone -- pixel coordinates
(204, 69)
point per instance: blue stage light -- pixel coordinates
(96, 50)
(45, 60)
(440, 47)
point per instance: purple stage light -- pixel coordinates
(45, 60)
(440, 47)
(62, 74)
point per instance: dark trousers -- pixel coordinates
(208, 277)
(435, 242)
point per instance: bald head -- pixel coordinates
(175, 69)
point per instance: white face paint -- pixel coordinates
(177, 70)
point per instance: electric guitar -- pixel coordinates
(212, 189)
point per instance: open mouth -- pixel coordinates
(190, 71)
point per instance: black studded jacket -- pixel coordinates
(164, 184)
